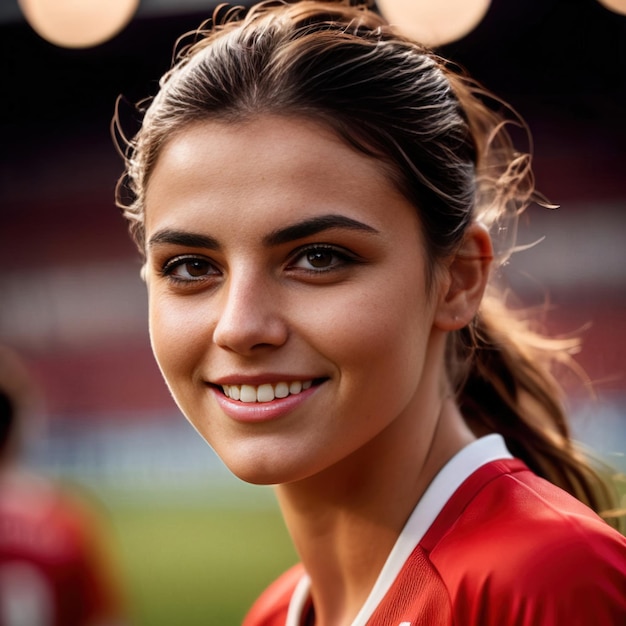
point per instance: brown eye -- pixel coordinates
(320, 258)
(183, 269)
(195, 268)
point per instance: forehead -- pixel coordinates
(266, 165)
(289, 142)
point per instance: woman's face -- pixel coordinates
(289, 310)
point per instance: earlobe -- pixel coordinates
(466, 280)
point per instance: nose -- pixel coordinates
(249, 317)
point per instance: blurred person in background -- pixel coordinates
(55, 563)
(321, 204)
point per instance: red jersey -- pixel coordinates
(53, 569)
(489, 544)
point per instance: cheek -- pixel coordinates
(380, 335)
(176, 339)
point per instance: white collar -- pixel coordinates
(446, 482)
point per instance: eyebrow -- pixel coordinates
(183, 238)
(313, 226)
(303, 229)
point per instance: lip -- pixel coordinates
(248, 412)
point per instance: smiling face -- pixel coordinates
(289, 309)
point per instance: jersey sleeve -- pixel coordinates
(570, 584)
(539, 557)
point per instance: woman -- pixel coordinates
(313, 194)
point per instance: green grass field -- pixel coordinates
(190, 565)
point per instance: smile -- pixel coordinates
(265, 392)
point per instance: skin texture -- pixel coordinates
(238, 296)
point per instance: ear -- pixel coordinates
(465, 280)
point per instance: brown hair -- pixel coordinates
(444, 140)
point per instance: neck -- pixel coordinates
(345, 520)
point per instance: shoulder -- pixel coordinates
(503, 503)
(510, 543)
(271, 608)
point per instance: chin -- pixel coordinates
(262, 476)
(264, 470)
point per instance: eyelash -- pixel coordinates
(171, 265)
(343, 256)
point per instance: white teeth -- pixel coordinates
(265, 392)
(248, 393)
(281, 390)
(295, 387)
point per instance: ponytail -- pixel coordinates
(505, 374)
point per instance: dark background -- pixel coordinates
(71, 299)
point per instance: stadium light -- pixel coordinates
(617, 6)
(78, 23)
(435, 23)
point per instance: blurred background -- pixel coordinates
(73, 307)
